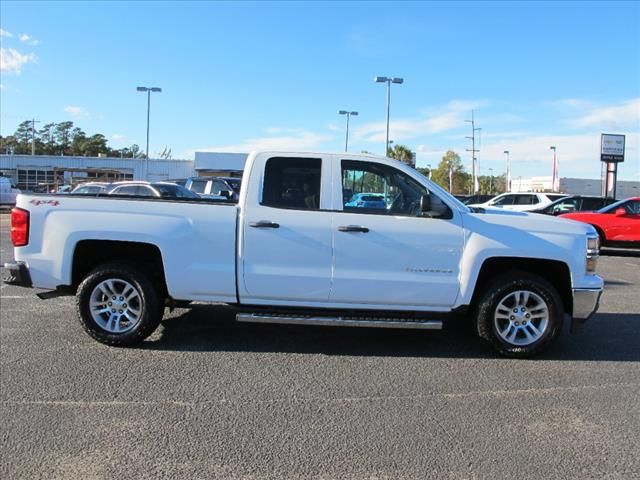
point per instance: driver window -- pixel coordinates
(373, 188)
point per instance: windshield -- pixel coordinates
(613, 206)
(168, 190)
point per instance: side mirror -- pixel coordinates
(620, 212)
(425, 203)
(226, 194)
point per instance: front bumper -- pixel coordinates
(18, 274)
(585, 304)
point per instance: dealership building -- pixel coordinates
(30, 171)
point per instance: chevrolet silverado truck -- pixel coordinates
(291, 251)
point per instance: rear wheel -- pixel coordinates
(118, 305)
(520, 314)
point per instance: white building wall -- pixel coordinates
(158, 169)
(575, 186)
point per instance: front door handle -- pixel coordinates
(264, 224)
(353, 228)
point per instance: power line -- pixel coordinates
(33, 135)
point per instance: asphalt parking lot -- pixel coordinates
(206, 397)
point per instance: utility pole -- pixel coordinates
(33, 135)
(508, 179)
(474, 168)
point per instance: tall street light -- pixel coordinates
(554, 178)
(346, 137)
(388, 81)
(508, 179)
(148, 90)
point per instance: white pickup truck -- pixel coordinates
(292, 251)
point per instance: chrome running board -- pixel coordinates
(340, 321)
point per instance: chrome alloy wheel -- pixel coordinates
(521, 317)
(116, 306)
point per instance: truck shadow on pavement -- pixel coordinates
(606, 337)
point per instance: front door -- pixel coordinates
(285, 250)
(387, 253)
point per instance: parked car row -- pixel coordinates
(215, 188)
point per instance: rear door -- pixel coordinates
(285, 246)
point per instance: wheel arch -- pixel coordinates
(554, 271)
(147, 257)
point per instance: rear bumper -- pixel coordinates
(18, 274)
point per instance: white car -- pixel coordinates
(293, 251)
(8, 193)
(521, 202)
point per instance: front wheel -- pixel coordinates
(520, 314)
(118, 305)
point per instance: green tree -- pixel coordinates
(23, 136)
(402, 153)
(78, 141)
(8, 144)
(62, 134)
(95, 145)
(451, 162)
(47, 139)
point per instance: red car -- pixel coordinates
(617, 224)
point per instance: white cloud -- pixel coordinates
(12, 61)
(76, 111)
(118, 137)
(28, 39)
(299, 140)
(4, 33)
(622, 117)
(449, 117)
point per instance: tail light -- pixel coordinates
(19, 227)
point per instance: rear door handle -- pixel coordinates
(353, 228)
(264, 224)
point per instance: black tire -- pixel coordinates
(500, 288)
(151, 306)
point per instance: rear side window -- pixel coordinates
(127, 190)
(198, 186)
(592, 204)
(292, 183)
(506, 200)
(526, 200)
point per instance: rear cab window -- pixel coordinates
(292, 183)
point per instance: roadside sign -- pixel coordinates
(612, 148)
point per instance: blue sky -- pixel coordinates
(238, 76)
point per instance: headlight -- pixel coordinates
(593, 251)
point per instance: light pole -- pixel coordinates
(429, 166)
(554, 178)
(388, 81)
(508, 179)
(148, 90)
(346, 137)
